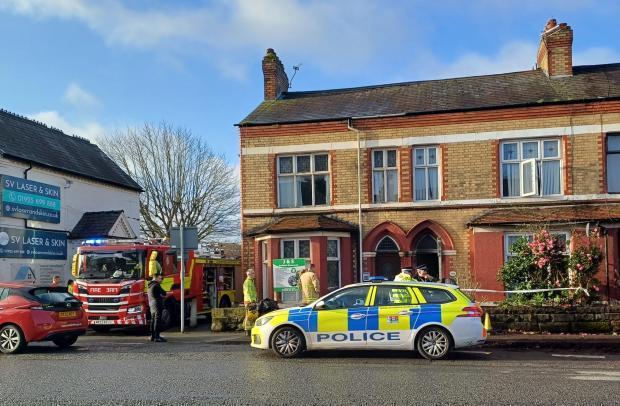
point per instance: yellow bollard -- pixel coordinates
(487, 322)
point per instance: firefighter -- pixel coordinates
(156, 303)
(404, 275)
(309, 284)
(249, 300)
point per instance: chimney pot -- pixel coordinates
(555, 52)
(551, 23)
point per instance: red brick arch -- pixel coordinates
(387, 228)
(437, 229)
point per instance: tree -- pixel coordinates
(184, 181)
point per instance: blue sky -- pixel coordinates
(92, 67)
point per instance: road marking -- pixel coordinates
(597, 376)
(578, 356)
(474, 352)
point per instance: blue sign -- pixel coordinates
(36, 244)
(30, 200)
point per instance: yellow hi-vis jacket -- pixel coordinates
(309, 287)
(403, 277)
(249, 291)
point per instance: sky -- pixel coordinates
(93, 67)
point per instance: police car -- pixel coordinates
(432, 318)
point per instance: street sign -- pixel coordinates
(30, 243)
(30, 200)
(286, 274)
(190, 237)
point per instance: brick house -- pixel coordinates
(442, 172)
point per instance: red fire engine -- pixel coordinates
(112, 276)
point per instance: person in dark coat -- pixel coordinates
(156, 302)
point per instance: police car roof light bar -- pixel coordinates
(377, 279)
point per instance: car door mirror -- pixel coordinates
(320, 305)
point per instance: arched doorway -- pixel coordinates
(387, 261)
(427, 251)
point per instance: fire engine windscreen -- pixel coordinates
(111, 265)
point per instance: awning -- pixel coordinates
(290, 224)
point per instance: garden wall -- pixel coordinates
(555, 319)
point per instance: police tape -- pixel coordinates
(525, 290)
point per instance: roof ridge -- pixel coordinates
(42, 124)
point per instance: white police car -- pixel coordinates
(430, 317)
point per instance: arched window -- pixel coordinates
(427, 243)
(387, 244)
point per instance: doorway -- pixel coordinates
(427, 252)
(387, 261)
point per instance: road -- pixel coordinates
(126, 369)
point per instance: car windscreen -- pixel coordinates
(111, 265)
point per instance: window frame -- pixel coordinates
(537, 184)
(529, 236)
(384, 169)
(426, 166)
(312, 173)
(335, 259)
(607, 154)
(296, 247)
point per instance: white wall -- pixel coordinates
(77, 196)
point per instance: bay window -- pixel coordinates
(426, 173)
(384, 176)
(530, 168)
(303, 180)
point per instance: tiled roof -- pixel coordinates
(95, 224)
(302, 223)
(582, 213)
(532, 87)
(27, 140)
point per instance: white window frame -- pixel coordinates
(537, 164)
(296, 247)
(385, 168)
(312, 174)
(337, 259)
(607, 154)
(426, 167)
(530, 237)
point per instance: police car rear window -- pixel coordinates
(437, 295)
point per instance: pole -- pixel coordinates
(182, 279)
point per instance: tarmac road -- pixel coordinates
(125, 369)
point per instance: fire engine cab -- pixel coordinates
(111, 278)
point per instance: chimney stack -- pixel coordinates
(276, 81)
(555, 53)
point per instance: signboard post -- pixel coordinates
(183, 238)
(286, 274)
(30, 200)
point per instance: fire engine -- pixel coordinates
(111, 278)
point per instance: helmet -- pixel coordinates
(407, 270)
(117, 274)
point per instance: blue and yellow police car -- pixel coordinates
(432, 318)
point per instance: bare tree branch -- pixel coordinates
(185, 182)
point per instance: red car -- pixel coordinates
(38, 313)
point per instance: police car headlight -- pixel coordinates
(262, 321)
(135, 309)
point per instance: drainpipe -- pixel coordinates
(359, 197)
(26, 177)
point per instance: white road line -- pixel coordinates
(596, 376)
(578, 356)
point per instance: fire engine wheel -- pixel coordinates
(167, 316)
(11, 339)
(434, 343)
(288, 342)
(66, 341)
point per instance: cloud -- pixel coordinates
(229, 32)
(90, 130)
(80, 98)
(595, 55)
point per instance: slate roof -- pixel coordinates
(292, 224)
(601, 212)
(27, 140)
(534, 87)
(95, 224)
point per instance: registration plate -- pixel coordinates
(102, 322)
(67, 315)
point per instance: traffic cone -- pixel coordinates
(487, 322)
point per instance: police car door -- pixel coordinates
(341, 319)
(391, 318)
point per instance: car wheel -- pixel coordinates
(434, 343)
(11, 339)
(66, 341)
(288, 342)
(101, 329)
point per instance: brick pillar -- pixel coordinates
(405, 174)
(405, 259)
(318, 256)
(274, 253)
(258, 268)
(346, 261)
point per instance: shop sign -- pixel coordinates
(29, 243)
(286, 274)
(30, 200)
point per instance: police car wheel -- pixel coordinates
(434, 343)
(287, 342)
(11, 339)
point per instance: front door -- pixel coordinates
(387, 264)
(391, 319)
(341, 321)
